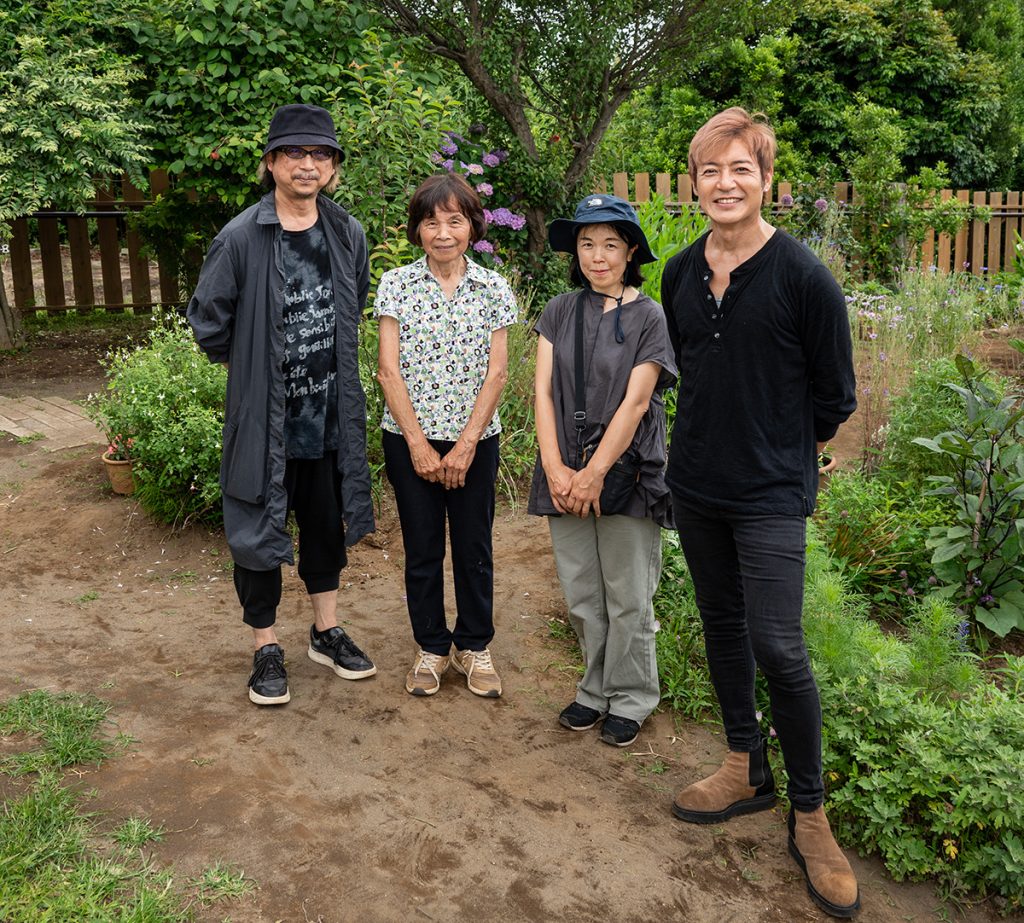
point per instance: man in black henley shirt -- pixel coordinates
(762, 341)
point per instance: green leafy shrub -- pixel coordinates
(518, 432)
(921, 755)
(876, 528)
(979, 557)
(682, 664)
(168, 398)
(926, 407)
(667, 233)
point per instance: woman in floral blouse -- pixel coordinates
(442, 367)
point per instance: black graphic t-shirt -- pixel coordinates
(310, 370)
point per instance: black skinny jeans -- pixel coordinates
(748, 574)
(423, 507)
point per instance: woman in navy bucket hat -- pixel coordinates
(599, 476)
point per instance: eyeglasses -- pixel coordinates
(298, 153)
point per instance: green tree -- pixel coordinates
(66, 117)
(554, 73)
(956, 97)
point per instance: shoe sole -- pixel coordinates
(484, 693)
(417, 690)
(579, 727)
(269, 700)
(833, 910)
(317, 657)
(612, 742)
(746, 806)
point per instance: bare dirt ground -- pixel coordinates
(358, 802)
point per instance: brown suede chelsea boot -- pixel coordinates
(830, 880)
(744, 784)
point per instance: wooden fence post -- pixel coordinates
(960, 245)
(978, 238)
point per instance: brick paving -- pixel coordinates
(61, 423)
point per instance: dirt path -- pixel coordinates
(358, 802)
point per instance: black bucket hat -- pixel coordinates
(301, 125)
(600, 209)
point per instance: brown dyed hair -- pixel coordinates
(450, 191)
(266, 179)
(731, 125)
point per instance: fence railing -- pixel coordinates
(978, 247)
(61, 260)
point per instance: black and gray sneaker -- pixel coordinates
(268, 684)
(618, 731)
(337, 650)
(577, 717)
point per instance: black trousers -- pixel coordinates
(314, 494)
(748, 574)
(423, 508)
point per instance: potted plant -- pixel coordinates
(117, 460)
(827, 463)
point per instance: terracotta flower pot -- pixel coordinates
(119, 474)
(827, 464)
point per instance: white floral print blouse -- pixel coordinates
(444, 344)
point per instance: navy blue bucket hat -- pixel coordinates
(301, 125)
(599, 208)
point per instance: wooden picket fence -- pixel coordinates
(101, 262)
(979, 247)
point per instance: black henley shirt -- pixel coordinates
(763, 377)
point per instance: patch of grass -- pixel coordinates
(222, 882)
(136, 832)
(66, 724)
(29, 439)
(89, 597)
(561, 630)
(51, 867)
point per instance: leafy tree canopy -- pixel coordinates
(956, 100)
(556, 72)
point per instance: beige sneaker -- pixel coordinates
(481, 677)
(425, 676)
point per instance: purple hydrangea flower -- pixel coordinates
(498, 261)
(474, 169)
(449, 165)
(449, 149)
(501, 155)
(490, 160)
(483, 246)
(987, 599)
(485, 189)
(821, 204)
(436, 157)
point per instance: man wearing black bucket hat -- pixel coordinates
(761, 334)
(603, 359)
(279, 300)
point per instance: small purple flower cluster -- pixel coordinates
(503, 218)
(473, 160)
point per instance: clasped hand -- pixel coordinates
(575, 492)
(449, 470)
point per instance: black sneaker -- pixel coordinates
(268, 684)
(578, 717)
(619, 732)
(337, 650)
